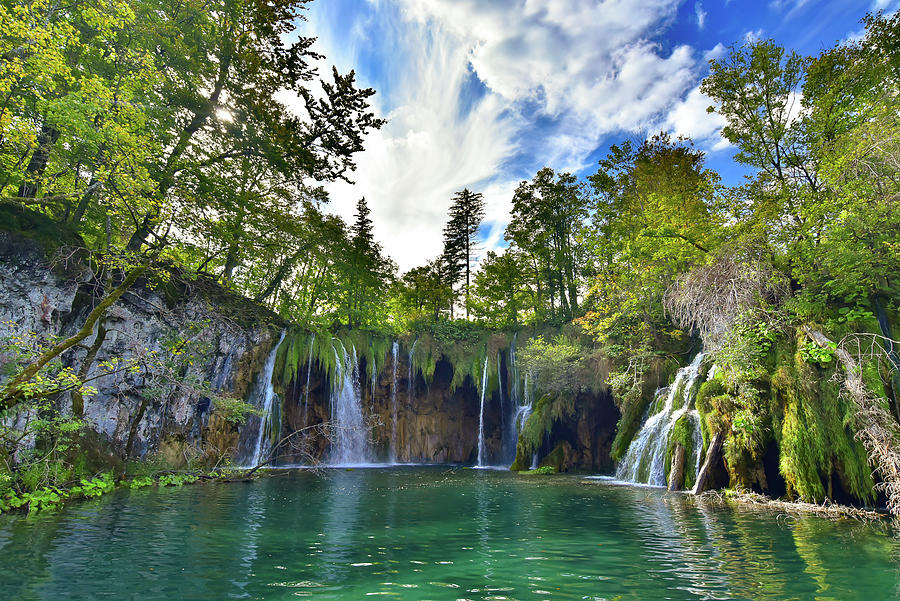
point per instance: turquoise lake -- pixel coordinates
(436, 533)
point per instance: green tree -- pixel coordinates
(501, 292)
(658, 214)
(546, 224)
(367, 272)
(425, 291)
(466, 214)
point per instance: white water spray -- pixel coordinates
(481, 415)
(646, 457)
(263, 388)
(349, 445)
(395, 350)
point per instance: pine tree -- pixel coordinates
(466, 214)
(367, 269)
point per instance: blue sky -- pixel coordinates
(483, 93)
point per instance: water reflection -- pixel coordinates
(414, 533)
(342, 498)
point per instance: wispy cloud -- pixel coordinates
(701, 15)
(754, 35)
(482, 94)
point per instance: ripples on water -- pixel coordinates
(434, 533)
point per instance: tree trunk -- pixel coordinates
(77, 398)
(85, 200)
(676, 474)
(712, 455)
(12, 392)
(166, 178)
(39, 159)
(282, 272)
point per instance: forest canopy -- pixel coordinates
(196, 135)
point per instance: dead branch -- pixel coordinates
(876, 429)
(711, 298)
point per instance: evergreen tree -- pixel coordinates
(466, 214)
(368, 271)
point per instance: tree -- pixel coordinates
(159, 129)
(757, 86)
(425, 291)
(466, 214)
(501, 292)
(658, 213)
(546, 223)
(367, 272)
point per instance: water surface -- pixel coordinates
(435, 533)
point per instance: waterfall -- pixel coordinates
(646, 457)
(394, 352)
(514, 419)
(523, 411)
(263, 397)
(520, 406)
(503, 416)
(481, 415)
(312, 340)
(349, 444)
(513, 370)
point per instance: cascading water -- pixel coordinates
(646, 457)
(312, 339)
(349, 444)
(523, 411)
(520, 406)
(395, 350)
(503, 412)
(484, 374)
(263, 397)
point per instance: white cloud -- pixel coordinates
(753, 35)
(426, 152)
(690, 118)
(701, 15)
(559, 76)
(715, 53)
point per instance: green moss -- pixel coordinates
(556, 459)
(545, 470)
(36, 226)
(628, 425)
(683, 432)
(817, 437)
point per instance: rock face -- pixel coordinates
(437, 425)
(434, 426)
(215, 342)
(130, 411)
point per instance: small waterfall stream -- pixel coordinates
(349, 445)
(263, 397)
(511, 428)
(646, 457)
(523, 411)
(484, 374)
(521, 405)
(395, 350)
